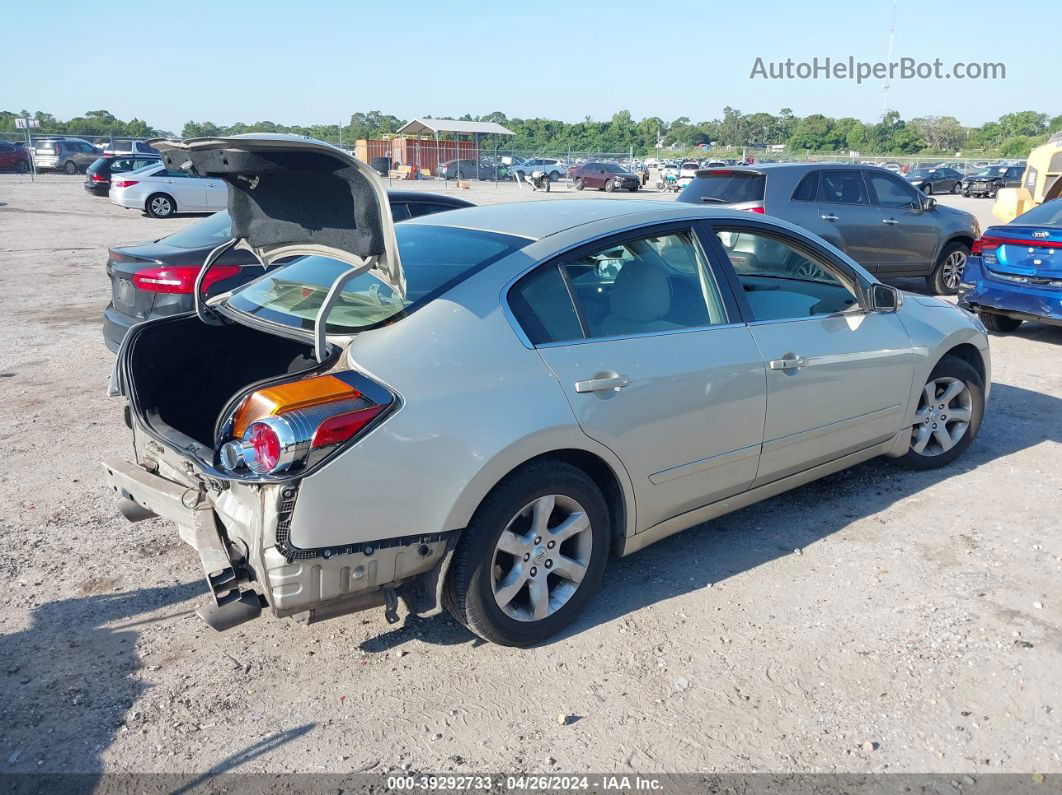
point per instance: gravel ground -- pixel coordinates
(878, 620)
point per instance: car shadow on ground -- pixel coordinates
(67, 680)
(710, 553)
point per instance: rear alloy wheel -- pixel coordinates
(70, 167)
(948, 416)
(578, 184)
(531, 557)
(159, 205)
(1000, 324)
(947, 273)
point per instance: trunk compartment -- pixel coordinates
(180, 373)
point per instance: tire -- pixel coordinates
(160, 205)
(22, 167)
(992, 193)
(927, 189)
(609, 186)
(546, 188)
(933, 424)
(947, 272)
(480, 566)
(966, 194)
(554, 176)
(1000, 324)
(70, 167)
(955, 188)
(578, 184)
(634, 189)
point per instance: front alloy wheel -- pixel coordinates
(948, 415)
(945, 278)
(532, 556)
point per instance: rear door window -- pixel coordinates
(843, 187)
(725, 187)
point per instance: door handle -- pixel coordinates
(789, 363)
(602, 384)
(829, 217)
(890, 221)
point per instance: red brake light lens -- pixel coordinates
(97, 178)
(180, 279)
(266, 444)
(759, 210)
(341, 427)
(125, 183)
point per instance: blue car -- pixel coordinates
(1014, 272)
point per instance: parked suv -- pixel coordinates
(549, 166)
(875, 216)
(98, 176)
(127, 147)
(64, 154)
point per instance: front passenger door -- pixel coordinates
(838, 377)
(910, 233)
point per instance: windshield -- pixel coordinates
(614, 169)
(991, 171)
(208, 233)
(1048, 214)
(434, 258)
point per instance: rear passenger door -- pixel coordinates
(838, 376)
(655, 363)
(849, 220)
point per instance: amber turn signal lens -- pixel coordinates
(295, 395)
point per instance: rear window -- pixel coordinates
(434, 258)
(725, 187)
(209, 233)
(1048, 214)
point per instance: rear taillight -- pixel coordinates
(759, 210)
(125, 183)
(988, 243)
(98, 178)
(295, 425)
(180, 279)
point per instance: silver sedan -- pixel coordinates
(475, 410)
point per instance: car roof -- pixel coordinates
(539, 219)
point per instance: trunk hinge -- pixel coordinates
(208, 263)
(320, 324)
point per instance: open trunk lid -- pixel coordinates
(291, 196)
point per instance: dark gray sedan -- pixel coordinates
(876, 217)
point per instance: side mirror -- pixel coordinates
(929, 203)
(884, 298)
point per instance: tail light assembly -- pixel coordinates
(180, 279)
(124, 183)
(289, 428)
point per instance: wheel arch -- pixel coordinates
(969, 353)
(959, 237)
(600, 465)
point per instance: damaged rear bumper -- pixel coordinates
(242, 531)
